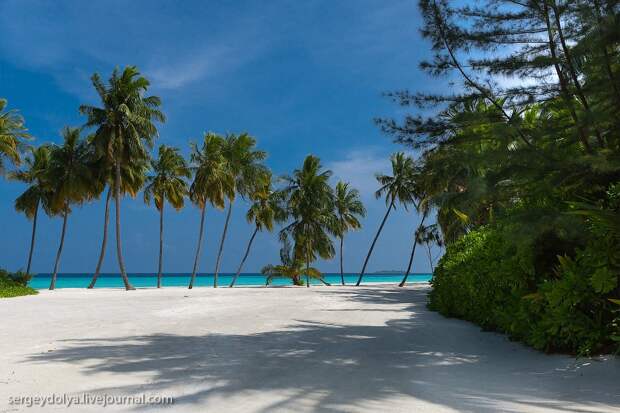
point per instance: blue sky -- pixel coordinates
(302, 77)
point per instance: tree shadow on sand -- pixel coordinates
(340, 367)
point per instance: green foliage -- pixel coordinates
(486, 278)
(14, 284)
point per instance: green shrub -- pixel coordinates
(14, 284)
(486, 278)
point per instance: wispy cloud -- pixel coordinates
(359, 168)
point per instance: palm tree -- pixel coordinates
(289, 267)
(266, 209)
(310, 203)
(166, 184)
(133, 176)
(125, 130)
(212, 183)
(244, 163)
(348, 208)
(395, 188)
(12, 136)
(70, 181)
(416, 240)
(38, 192)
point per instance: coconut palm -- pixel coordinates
(125, 130)
(348, 208)
(12, 136)
(244, 163)
(422, 209)
(289, 267)
(133, 176)
(397, 187)
(70, 181)
(266, 209)
(166, 184)
(38, 193)
(213, 183)
(310, 203)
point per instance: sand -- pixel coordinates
(333, 349)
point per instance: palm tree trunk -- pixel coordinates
(430, 257)
(247, 252)
(106, 222)
(32, 239)
(415, 243)
(202, 223)
(62, 243)
(219, 254)
(161, 242)
(374, 241)
(341, 266)
(307, 270)
(321, 279)
(117, 202)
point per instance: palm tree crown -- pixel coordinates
(213, 181)
(168, 180)
(348, 207)
(12, 136)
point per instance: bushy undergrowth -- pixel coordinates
(14, 284)
(488, 279)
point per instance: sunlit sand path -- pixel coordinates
(335, 349)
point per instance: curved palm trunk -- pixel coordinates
(219, 253)
(374, 241)
(104, 241)
(119, 250)
(415, 243)
(245, 256)
(341, 265)
(161, 243)
(32, 239)
(430, 257)
(62, 243)
(202, 224)
(321, 279)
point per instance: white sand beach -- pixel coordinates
(333, 349)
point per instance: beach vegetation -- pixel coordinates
(15, 284)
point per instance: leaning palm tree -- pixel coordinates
(12, 136)
(213, 183)
(166, 184)
(265, 211)
(245, 164)
(422, 208)
(125, 130)
(70, 181)
(133, 176)
(396, 188)
(310, 204)
(348, 208)
(38, 193)
(289, 268)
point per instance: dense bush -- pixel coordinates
(485, 278)
(14, 284)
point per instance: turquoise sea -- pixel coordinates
(66, 280)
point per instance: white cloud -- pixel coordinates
(359, 168)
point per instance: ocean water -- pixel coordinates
(65, 280)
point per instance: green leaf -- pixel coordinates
(603, 281)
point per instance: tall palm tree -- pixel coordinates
(396, 188)
(133, 176)
(70, 180)
(423, 209)
(212, 183)
(166, 184)
(38, 193)
(266, 209)
(12, 136)
(244, 163)
(289, 267)
(125, 130)
(348, 208)
(310, 203)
